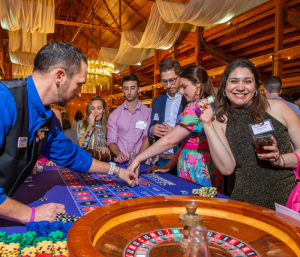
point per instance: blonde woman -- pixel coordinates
(91, 132)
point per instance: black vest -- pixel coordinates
(16, 163)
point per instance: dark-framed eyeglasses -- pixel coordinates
(171, 81)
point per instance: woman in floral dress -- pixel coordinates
(193, 158)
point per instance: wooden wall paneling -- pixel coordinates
(198, 46)
(131, 70)
(175, 51)
(112, 89)
(278, 40)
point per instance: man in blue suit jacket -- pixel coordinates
(166, 108)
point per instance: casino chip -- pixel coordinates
(64, 217)
(148, 184)
(206, 191)
(43, 199)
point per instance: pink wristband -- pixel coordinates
(32, 214)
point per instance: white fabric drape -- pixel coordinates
(158, 33)
(23, 41)
(21, 70)
(22, 58)
(108, 55)
(125, 54)
(31, 16)
(199, 12)
(129, 55)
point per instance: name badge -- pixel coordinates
(22, 142)
(156, 117)
(263, 127)
(140, 124)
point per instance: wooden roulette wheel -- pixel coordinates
(150, 226)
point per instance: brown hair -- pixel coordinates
(260, 103)
(197, 74)
(170, 64)
(104, 116)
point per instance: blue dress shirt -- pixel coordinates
(58, 147)
(171, 112)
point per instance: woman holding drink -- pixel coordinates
(242, 114)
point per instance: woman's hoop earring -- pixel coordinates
(224, 94)
(197, 94)
(255, 93)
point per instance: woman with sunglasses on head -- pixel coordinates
(91, 132)
(193, 158)
(261, 178)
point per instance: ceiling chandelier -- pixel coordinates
(99, 74)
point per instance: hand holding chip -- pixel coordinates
(204, 110)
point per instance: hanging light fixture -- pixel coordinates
(99, 73)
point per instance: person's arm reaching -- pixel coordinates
(165, 143)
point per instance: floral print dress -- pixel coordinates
(92, 137)
(194, 161)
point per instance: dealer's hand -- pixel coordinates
(129, 176)
(157, 169)
(48, 211)
(273, 156)
(159, 130)
(121, 158)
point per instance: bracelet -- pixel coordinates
(112, 168)
(32, 214)
(282, 161)
(117, 175)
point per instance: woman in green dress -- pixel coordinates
(261, 179)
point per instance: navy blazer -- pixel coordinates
(159, 106)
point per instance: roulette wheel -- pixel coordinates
(150, 226)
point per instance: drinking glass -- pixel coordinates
(260, 141)
(130, 149)
(153, 160)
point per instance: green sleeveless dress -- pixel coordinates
(258, 182)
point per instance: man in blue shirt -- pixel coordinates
(273, 90)
(28, 128)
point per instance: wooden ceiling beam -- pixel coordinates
(143, 78)
(58, 3)
(117, 34)
(89, 11)
(137, 12)
(108, 9)
(77, 24)
(293, 18)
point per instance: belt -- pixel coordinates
(166, 156)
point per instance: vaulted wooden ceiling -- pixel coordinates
(252, 34)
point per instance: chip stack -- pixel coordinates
(2, 244)
(64, 217)
(66, 227)
(38, 240)
(43, 229)
(206, 191)
(3, 237)
(27, 239)
(10, 250)
(32, 226)
(60, 248)
(56, 236)
(55, 226)
(44, 247)
(14, 238)
(29, 251)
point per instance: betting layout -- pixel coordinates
(91, 191)
(142, 245)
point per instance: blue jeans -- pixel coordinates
(162, 162)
